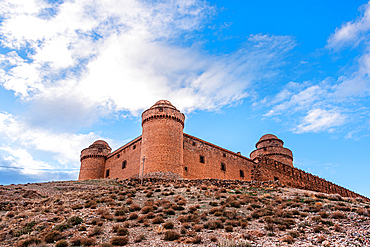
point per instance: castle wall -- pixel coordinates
(266, 169)
(129, 153)
(214, 157)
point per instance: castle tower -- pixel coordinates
(272, 147)
(93, 160)
(162, 139)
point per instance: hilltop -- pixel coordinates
(159, 212)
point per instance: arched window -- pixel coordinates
(124, 163)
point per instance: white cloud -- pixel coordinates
(65, 147)
(21, 159)
(318, 120)
(286, 100)
(104, 56)
(351, 33)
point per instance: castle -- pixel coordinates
(164, 150)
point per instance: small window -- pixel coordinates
(186, 168)
(118, 155)
(160, 109)
(223, 167)
(264, 149)
(201, 159)
(124, 163)
(107, 173)
(193, 143)
(241, 173)
(276, 179)
(134, 147)
(224, 155)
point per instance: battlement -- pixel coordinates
(163, 109)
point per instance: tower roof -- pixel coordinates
(163, 103)
(268, 137)
(101, 142)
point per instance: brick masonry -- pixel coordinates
(170, 153)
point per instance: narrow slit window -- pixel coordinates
(107, 173)
(118, 155)
(186, 168)
(124, 163)
(201, 159)
(223, 167)
(134, 147)
(224, 155)
(241, 173)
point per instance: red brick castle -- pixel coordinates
(164, 150)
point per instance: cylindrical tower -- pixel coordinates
(272, 147)
(162, 140)
(93, 160)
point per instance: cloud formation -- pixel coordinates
(98, 57)
(64, 147)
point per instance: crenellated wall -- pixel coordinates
(266, 169)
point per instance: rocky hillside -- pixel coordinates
(178, 213)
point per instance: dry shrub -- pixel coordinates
(52, 236)
(338, 228)
(323, 214)
(171, 235)
(294, 234)
(158, 220)
(150, 215)
(321, 239)
(229, 228)
(123, 232)
(134, 207)
(29, 241)
(338, 215)
(61, 243)
(147, 209)
(97, 230)
(198, 228)
(168, 225)
(289, 239)
(269, 227)
(214, 224)
(10, 214)
(139, 238)
(119, 241)
(133, 216)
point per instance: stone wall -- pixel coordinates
(129, 153)
(218, 163)
(267, 169)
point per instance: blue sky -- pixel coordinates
(72, 72)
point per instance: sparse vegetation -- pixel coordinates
(127, 212)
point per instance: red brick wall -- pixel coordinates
(267, 169)
(162, 140)
(213, 157)
(93, 161)
(129, 153)
(277, 153)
